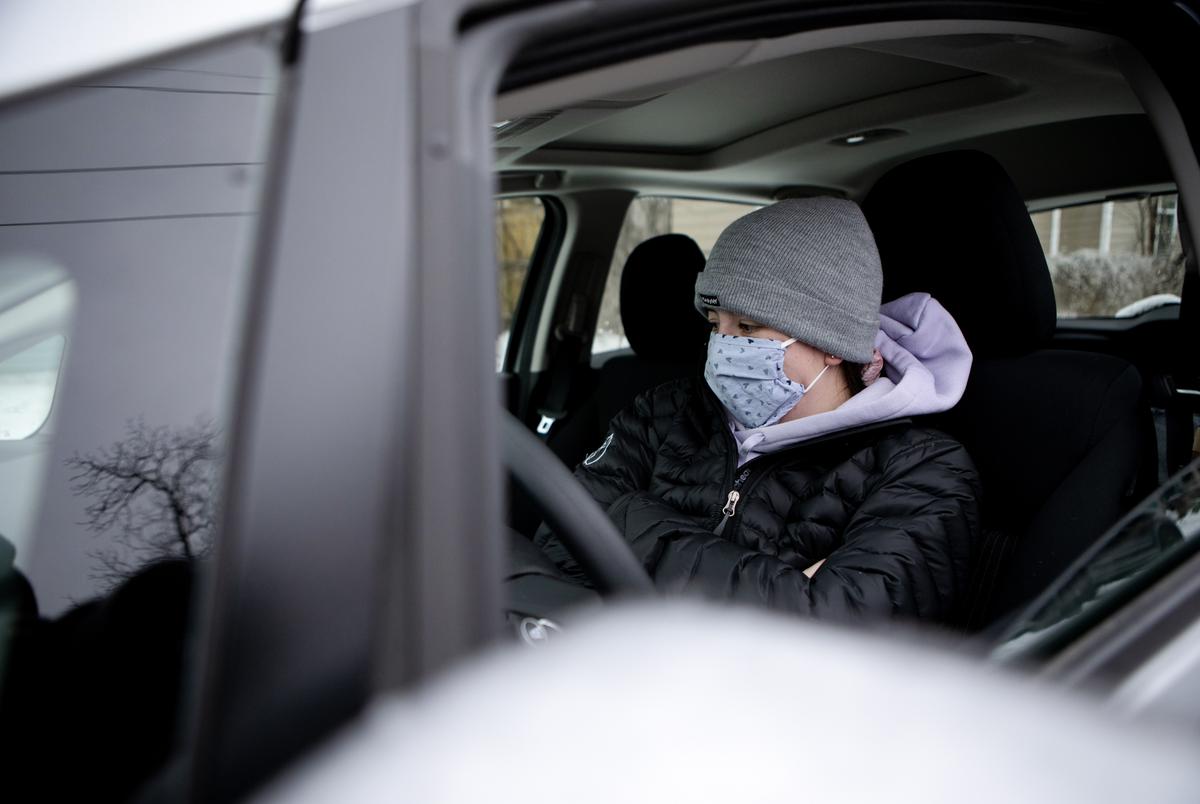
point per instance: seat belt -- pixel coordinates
(1183, 440)
(563, 363)
(562, 368)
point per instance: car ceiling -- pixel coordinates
(768, 119)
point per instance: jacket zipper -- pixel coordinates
(731, 467)
(740, 487)
(731, 501)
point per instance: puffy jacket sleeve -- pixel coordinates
(905, 551)
(620, 465)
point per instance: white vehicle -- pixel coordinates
(257, 535)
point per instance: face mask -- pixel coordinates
(747, 376)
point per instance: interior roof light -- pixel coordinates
(868, 136)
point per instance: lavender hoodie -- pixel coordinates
(926, 364)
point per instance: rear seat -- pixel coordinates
(668, 338)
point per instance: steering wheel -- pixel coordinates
(575, 517)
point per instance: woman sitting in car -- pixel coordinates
(791, 474)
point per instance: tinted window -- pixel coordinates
(127, 206)
(648, 217)
(1113, 258)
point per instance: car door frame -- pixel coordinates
(361, 541)
(313, 476)
(410, 582)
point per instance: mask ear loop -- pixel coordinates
(809, 387)
(805, 388)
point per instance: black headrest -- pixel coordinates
(657, 292)
(953, 225)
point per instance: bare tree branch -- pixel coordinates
(152, 492)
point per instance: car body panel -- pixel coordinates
(92, 38)
(714, 704)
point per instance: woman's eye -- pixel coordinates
(747, 327)
(712, 326)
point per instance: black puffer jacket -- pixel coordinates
(892, 508)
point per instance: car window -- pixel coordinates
(1113, 259)
(649, 216)
(518, 224)
(28, 380)
(127, 207)
(1152, 539)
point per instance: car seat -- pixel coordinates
(1056, 435)
(667, 336)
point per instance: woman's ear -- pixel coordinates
(830, 360)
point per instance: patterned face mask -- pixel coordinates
(747, 376)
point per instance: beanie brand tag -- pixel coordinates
(711, 301)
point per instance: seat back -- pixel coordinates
(1056, 435)
(666, 334)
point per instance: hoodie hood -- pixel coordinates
(926, 365)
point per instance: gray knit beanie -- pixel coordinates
(807, 267)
